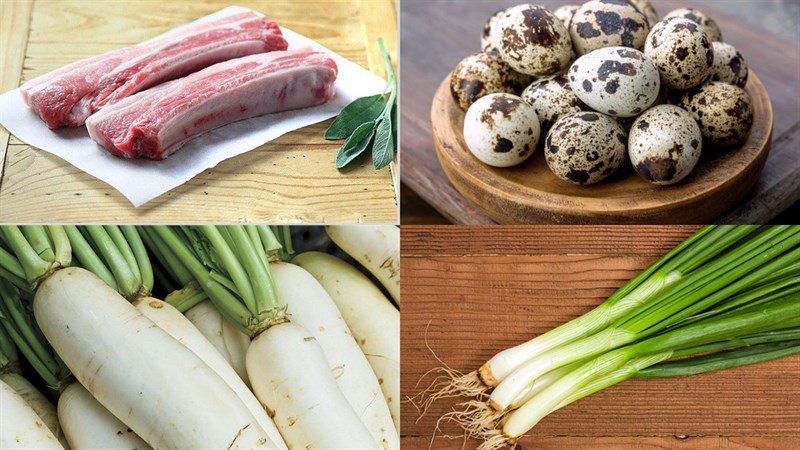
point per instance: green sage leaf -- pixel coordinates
(359, 112)
(355, 144)
(383, 148)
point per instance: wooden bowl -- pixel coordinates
(530, 193)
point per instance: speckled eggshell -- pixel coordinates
(482, 74)
(486, 36)
(682, 52)
(565, 13)
(501, 130)
(707, 23)
(585, 147)
(729, 65)
(646, 8)
(552, 98)
(618, 81)
(723, 111)
(607, 23)
(532, 40)
(664, 144)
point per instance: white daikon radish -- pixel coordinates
(372, 318)
(179, 327)
(142, 375)
(37, 401)
(89, 425)
(225, 337)
(376, 247)
(312, 308)
(291, 375)
(20, 427)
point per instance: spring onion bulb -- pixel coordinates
(764, 318)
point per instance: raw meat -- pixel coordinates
(67, 96)
(154, 123)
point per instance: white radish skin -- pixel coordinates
(147, 379)
(179, 327)
(312, 308)
(227, 339)
(36, 400)
(20, 427)
(372, 318)
(291, 376)
(376, 247)
(89, 425)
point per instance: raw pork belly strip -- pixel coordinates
(67, 96)
(154, 123)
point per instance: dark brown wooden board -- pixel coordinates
(436, 35)
(469, 292)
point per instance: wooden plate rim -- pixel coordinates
(479, 175)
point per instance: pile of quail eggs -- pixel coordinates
(593, 83)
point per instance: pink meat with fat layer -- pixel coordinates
(67, 96)
(155, 123)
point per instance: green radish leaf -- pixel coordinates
(383, 148)
(359, 112)
(355, 144)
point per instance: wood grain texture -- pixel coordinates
(14, 20)
(289, 180)
(530, 193)
(436, 35)
(469, 292)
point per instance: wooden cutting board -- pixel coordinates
(291, 179)
(469, 292)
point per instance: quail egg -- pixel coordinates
(723, 111)
(565, 13)
(532, 40)
(664, 144)
(729, 65)
(486, 37)
(481, 74)
(607, 23)
(682, 52)
(646, 8)
(585, 147)
(501, 130)
(707, 23)
(552, 98)
(618, 81)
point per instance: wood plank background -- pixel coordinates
(437, 35)
(469, 292)
(291, 179)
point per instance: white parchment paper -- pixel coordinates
(143, 180)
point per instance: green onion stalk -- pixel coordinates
(692, 255)
(228, 265)
(724, 282)
(615, 365)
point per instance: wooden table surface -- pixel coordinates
(291, 179)
(469, 292)
(437, 35)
